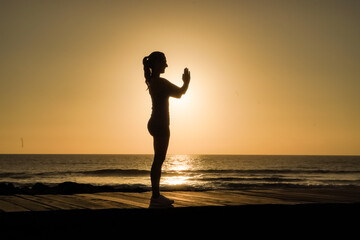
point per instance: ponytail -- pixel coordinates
(147, 72)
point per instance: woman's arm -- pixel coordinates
(175, 91)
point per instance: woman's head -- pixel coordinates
(155, 63)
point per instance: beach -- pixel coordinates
(106, 214)
(81, 196)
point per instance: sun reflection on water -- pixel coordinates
(179, 165)
(175, 180)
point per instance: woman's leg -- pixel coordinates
(160, 149)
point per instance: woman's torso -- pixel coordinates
(160, 102)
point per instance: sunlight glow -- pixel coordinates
(175, 180)
(265, 78)
(190, 106)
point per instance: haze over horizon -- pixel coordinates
(267, 77)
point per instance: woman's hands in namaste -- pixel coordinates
(186, 76)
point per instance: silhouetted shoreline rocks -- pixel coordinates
(62, 188)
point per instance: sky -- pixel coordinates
(267, 77)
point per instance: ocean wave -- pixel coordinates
(100, 173)
(73, 187)
(249, 179)
(17, 175)
(275, 173)
(278, 171)
(116, 172)
(137, 172)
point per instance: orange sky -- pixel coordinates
(268, 77)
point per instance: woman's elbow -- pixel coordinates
(178, 95)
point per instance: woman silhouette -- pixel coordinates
(160, 90)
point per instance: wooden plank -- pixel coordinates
(93, 202)
(110, 201)
(294, 197)
(78, 201)
(193, 198)
(64, 200)
(224, 199)
(144, 195)
(27, 204)
(229, 199)
(258, 197)
(125, 198)
(55, 204)
(7, 205)
(221, 199)
(36, 200)
(244, 197)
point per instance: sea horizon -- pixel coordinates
(169, 154)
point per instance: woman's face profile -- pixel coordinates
(164, 65)
(160, 65)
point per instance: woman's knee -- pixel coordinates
(158, 160)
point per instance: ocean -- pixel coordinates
(183, 172)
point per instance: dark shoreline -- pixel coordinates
(8, 188)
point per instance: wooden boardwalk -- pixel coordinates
(109, 215)
(121, 200)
